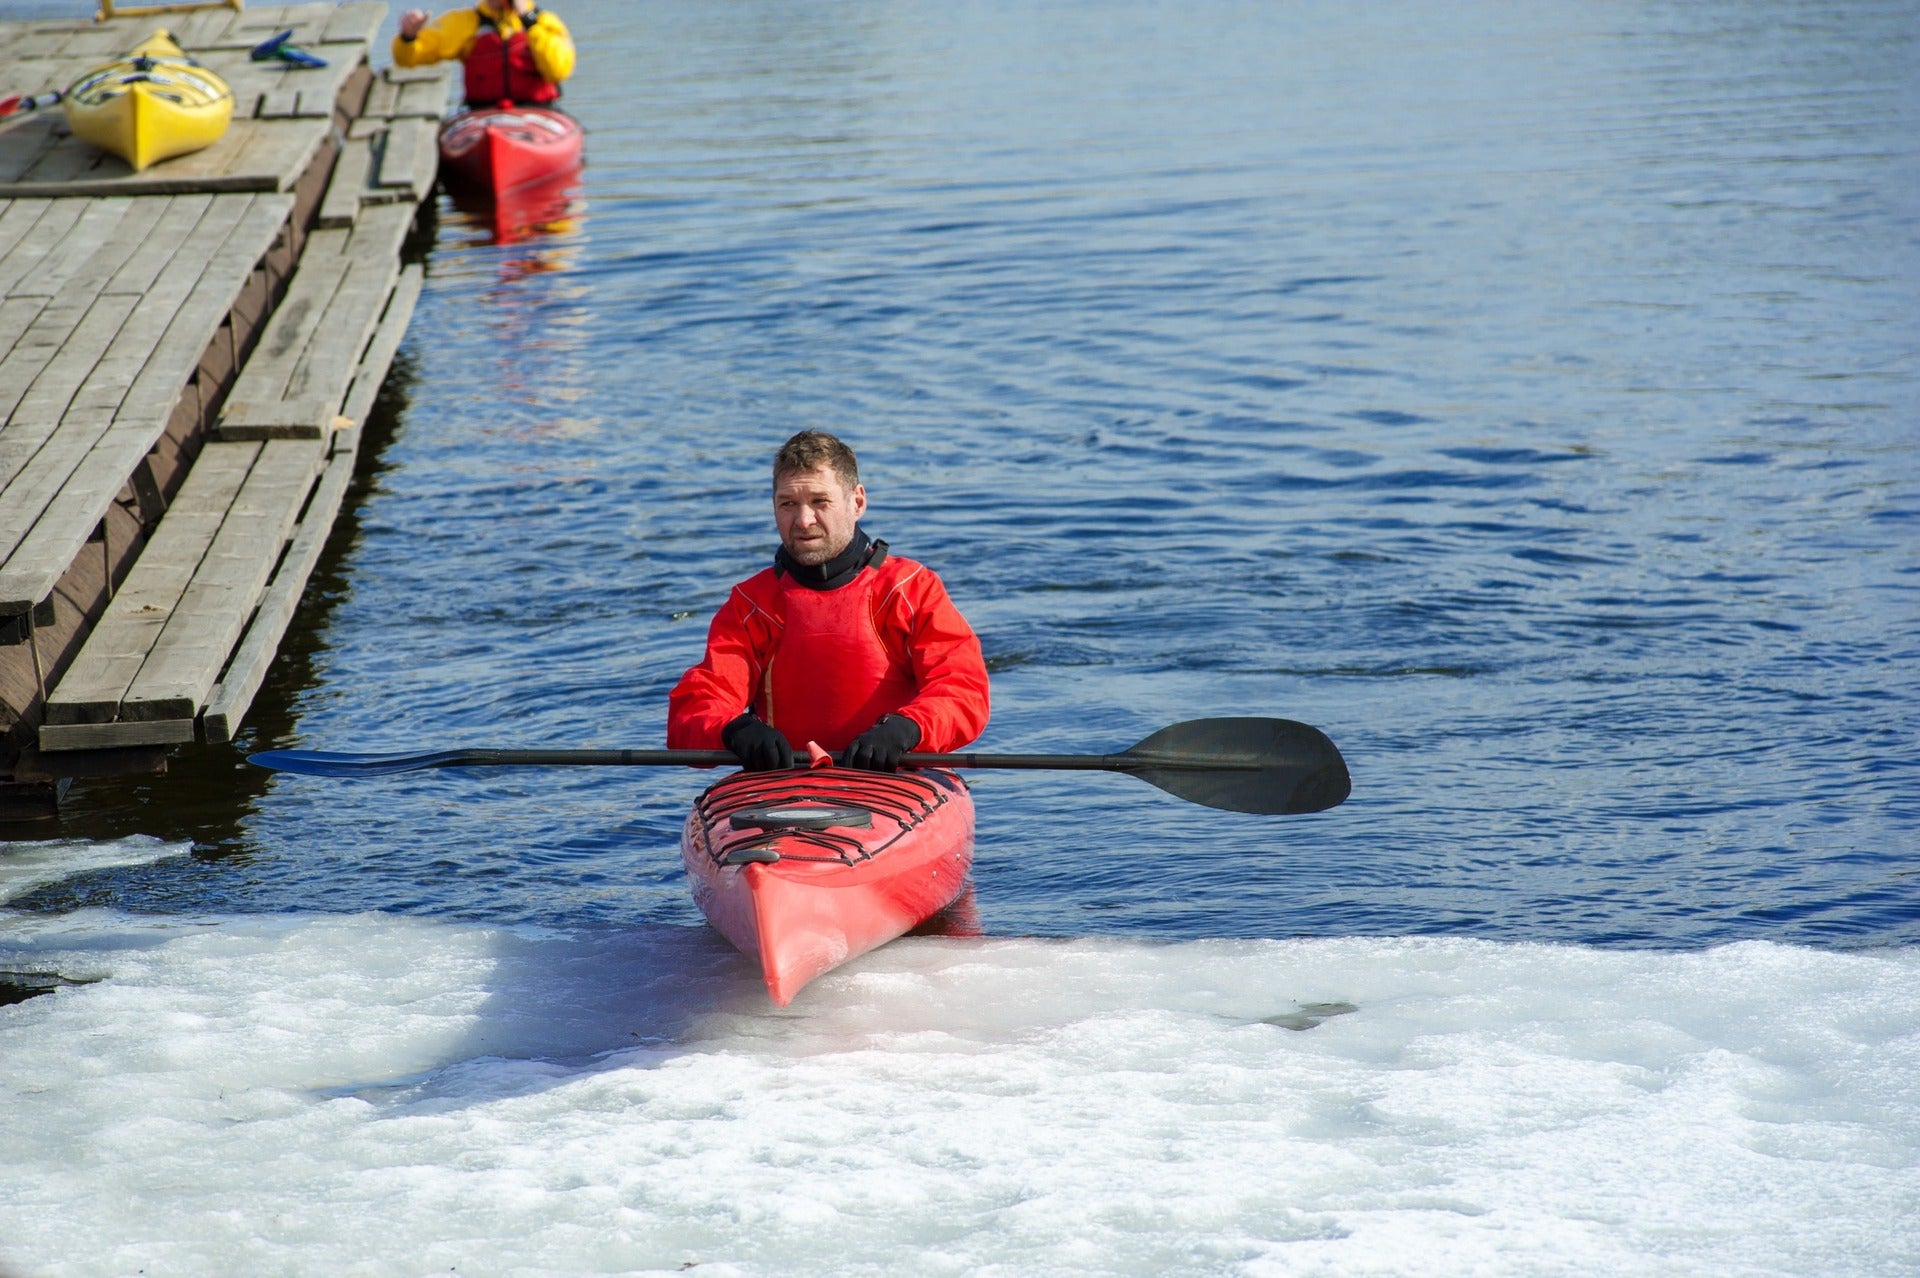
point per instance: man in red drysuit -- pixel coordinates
(839, 642)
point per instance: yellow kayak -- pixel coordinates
(151, 105)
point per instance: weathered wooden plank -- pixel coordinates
(404, 140)
(331, 242)
(314, 104)
(53, 390)
(186, 660)
(113, 373)
(426, 161)
(43, 341)
(441, 71)
(372, 372)
(309, 23)
(358, 22)
(306, 417)
(17, 217)
(25, 345)
(422, 97)
(92, 468)
(327, 366)
(41, 239)
(19, 445)
(22, 144)
(173, 233)
(50, 456)
(253, 155)
(72, 161)
(381, 96)
(240, 682)
(55, 737)
(106, 666)
(107, 40)
(279, 104)
(281, 80)
(39, 42)
(28, 485)
(284, 148)
(264, 379)
(132, 235)
(199, 32)
(97, 226)
(150, 399)
(249, 27)
(380, 232)
(73, 511)
(16, 317)
(341, 204)
(186, 303)
(51, 360)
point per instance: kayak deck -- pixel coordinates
(501, 149)
(804, 870)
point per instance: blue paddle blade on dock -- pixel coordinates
(270, 47)
(276, 49)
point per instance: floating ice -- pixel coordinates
(388, 1094)
(25, 867)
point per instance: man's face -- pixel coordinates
(816, 513)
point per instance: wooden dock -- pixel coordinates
(186, 356)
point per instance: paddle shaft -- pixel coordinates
(1080, 762)
(1263, 766)
(722, 758)
(14, 103)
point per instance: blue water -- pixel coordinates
(1526, 396)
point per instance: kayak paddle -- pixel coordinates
(1265, 766)
(14, 102)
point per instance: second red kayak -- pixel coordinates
(498, 149)
(806, 869)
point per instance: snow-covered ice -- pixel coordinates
(389, 1094)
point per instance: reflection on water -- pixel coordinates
(554, 207)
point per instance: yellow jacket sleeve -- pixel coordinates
(552, 47)
(448, 36)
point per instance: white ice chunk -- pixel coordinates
(27, 866)
(389, 1094)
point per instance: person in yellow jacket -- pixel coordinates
(509, 50)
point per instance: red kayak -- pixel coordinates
(806, 869)
(500, 148)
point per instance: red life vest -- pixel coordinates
(831, 675)
(502, 70)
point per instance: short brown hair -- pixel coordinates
(811, 449)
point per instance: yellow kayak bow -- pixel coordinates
(151, 105)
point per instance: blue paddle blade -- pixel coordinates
(270, 47)
(328, 763)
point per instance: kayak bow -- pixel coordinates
(803, 870)
(152, 105)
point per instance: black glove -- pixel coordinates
(879, 748)
(759, 746)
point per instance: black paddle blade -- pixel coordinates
(1271, 767)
